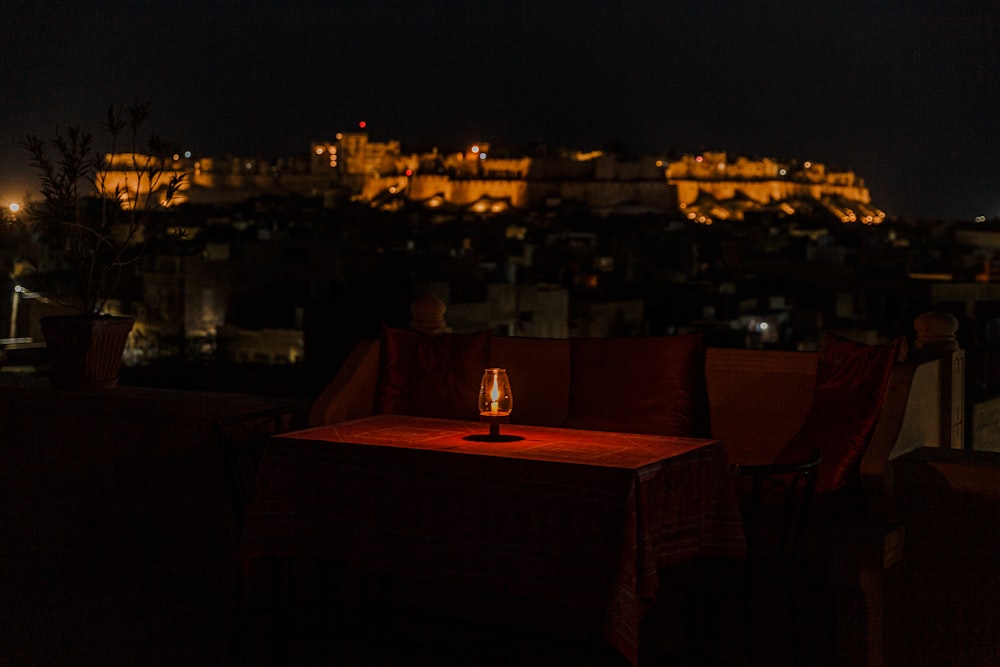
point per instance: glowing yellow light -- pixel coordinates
(807, 165)
(659, 163)
(15, 207)
(495, 397)
(319, 150)
(474, 149)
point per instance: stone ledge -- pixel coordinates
(963, 470)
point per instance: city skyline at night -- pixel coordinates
(478, 179)
(903, 93)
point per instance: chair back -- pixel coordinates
(780, 508)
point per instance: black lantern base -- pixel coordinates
(494, 421)
(494, 435)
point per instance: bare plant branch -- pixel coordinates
(95, 209)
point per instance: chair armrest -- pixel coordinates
(876, 474)
(351, 393)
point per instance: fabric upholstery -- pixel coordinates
(851, 381)
(431, 376)
(652, 385)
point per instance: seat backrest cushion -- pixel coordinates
(652, 385)
(431, 376)
(538, 369)
(851, 382)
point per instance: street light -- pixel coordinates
(20, 292)
(10, 211)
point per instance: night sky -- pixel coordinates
(904, 92)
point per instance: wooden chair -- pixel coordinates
(242, 439)
(795, 485)
(778, 583)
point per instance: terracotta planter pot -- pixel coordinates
(85, 352)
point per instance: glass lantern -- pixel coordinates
(495, 397)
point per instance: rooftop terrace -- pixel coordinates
(116, 549)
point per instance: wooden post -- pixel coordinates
(936, 339)
(428, 315)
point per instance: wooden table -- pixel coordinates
(581, 520)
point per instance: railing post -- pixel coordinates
(936, 339)
(427, 311)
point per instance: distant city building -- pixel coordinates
(704, 188)
(711, 186)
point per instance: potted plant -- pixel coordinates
(91, 229)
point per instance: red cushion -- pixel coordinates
(431, 376)
(639, 385)
(851, 381)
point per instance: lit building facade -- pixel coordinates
(705, 187)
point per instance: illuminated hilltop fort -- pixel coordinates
(704, 188)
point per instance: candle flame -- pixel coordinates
(495, 393)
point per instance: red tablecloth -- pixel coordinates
(580, 519)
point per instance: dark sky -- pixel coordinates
(904, 92)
